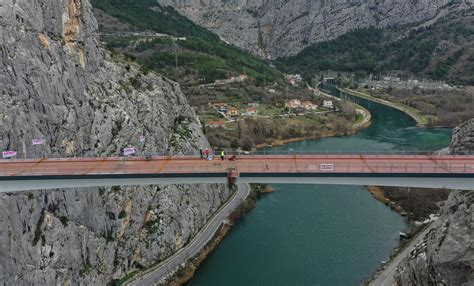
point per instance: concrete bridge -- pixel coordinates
(452, 172)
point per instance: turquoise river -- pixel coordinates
(317, 234)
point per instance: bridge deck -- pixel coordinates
(300, 164)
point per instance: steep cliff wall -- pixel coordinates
(446, 254)
(280, 27)
(57, 83)
(462, 141)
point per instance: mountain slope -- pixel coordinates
(279, 28)
(201, 56)
(444, 50)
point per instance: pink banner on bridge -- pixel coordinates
(8, 154)
(38, 142)
(128, 151)
(327, 167)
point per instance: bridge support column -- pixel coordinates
(232, 176)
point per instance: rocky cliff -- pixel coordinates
(446, 254)
(57, 83)
(280, 27)
(462, 141)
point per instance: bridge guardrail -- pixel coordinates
(283, 164)
(329, 150)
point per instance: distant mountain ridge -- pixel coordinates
(281, 28)
(443, 51)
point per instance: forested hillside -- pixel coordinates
(442, 51)
(201, 57)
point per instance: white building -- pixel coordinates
(328, 104)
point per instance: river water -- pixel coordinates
(318, 234)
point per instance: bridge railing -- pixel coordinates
(203, 167)
(324, 150)
(331, 151)
(381, 168)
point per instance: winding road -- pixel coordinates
(155, 275)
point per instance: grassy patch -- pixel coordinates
(86, 269)
(120, 282)
(64, 220)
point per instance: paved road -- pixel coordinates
(385, 278)
(199, 241)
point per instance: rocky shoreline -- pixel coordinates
(443, 255)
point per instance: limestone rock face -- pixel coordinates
(278, 28)
(91, 236)
(57, 83)
(462, 141)
(446, 254)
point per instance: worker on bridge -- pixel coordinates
(222, 155)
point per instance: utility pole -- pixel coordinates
(175, 54)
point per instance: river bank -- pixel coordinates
(329, 134)
(187, 271)
(419, 206)
(379, 195)
(416, 115)
(363, 120)
(289, 123)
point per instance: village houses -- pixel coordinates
(294, 79)
(253, 104)
(221, 106)
(216, 124)
(293, 103)
(296, 103)
(251, 111)
(308, 105)
(232, 111)
(328, 104)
